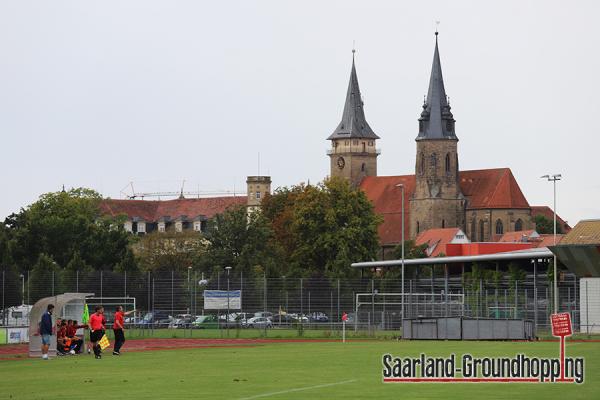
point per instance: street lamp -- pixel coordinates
(553, 179)
(227, 317)
(401, 186)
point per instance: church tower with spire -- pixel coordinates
(437, 201)
(353, 153)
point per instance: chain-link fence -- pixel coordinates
(176, 300)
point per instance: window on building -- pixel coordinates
(347, 142)
(474, 230)
(258, 195)
(519, 225)
(370, 143)
(161, 227)
(481, 231)
(422, 166)
(355, 142)
(197, 226)
(443, 223)
(448, 163)
(499, 227)
(364, 146)
(433, 161)
(418, 227)
(363, 167)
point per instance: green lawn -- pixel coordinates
(330, 371)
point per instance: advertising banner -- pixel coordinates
(220, 299)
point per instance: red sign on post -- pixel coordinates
(561, 325)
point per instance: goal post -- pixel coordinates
(384, 310)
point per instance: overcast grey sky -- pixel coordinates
(98, 94)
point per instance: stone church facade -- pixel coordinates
(483, 203)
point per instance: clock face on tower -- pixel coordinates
(341, 162)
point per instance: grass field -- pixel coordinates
(314, 370)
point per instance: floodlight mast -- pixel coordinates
(553, 178)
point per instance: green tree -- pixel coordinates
(62, 224)
(322, 229)
(44, 278)
(165, 251)
(242, 241)
(546, 225)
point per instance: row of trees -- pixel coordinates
(301, 231)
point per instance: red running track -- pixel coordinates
(12, 351)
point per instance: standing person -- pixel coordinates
(119, 329)
(46, 330)
(96, 324)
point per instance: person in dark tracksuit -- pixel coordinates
(46, 330)
(119, 329)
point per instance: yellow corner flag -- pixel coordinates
(104, 343)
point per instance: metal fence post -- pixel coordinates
(52, 283)
(372, 303)
(172, 292)
(125, 283)
(338, 300)
(3, 305)
(587, 309)
(77, 281)
(101, 288)
(28, 299)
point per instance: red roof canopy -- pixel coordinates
(152, 210)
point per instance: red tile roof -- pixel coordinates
(387, 201)
(518, 236)
(438, 238)
(484, 189)
(492, 188)
(548, 240)
(152, 210)
(549, 213)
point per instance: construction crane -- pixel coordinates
(182, 194)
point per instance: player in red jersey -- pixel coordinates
(96, 325)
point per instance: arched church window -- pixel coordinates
(481, 231)
(433, 160)
(448, 163)
(499, 227)
(519, 225)
(422, 166)
(443, 223)
(363, 167)
(473, 230)
(418, 227)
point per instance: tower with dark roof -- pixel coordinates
(437, 201)
(353, 153)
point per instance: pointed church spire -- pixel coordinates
(437, 121)
(354, 123)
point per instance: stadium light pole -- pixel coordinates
(553, 179)
(401, 186)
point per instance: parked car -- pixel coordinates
(260, 322)
(264, 314)
(181, 321)
(318, 317)
(283, 319)
(205, 322)
(156, 319)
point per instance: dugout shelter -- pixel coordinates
(66, 306)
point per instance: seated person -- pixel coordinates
(71, 331)
(61, 338)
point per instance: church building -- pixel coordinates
(483, 203)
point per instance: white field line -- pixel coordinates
(258, 396)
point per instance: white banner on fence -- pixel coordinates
(219, 299)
